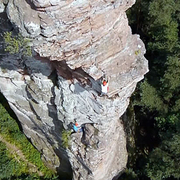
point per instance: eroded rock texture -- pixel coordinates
(75, 43)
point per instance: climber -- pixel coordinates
(104, 87)
(77, 128)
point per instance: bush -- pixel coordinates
(66, 136)
(17, 44)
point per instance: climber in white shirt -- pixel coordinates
(104, 87)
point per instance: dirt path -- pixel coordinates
(18, 154)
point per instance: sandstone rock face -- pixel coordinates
(76, 42)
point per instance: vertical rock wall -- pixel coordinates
(75, 43)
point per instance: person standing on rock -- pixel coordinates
(104, 87)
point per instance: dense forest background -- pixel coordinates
(156, 101)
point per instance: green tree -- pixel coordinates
(163, 26)
(164, 161)
(149, 97)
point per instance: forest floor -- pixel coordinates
(18, 155)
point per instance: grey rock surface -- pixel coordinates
(75, 43)
(2, 7)
(24, 17)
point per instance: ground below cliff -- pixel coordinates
(18, 154)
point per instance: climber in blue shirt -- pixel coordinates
(77, 128)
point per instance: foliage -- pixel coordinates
(150, 98)
(171, 79)
(9, 166)
(66, 137)
(129, 174)
(9, 129)
(162, 25)
(164, 161)
(17, 44)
